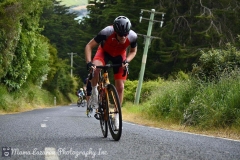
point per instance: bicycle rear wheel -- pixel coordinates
(114, 107)
(103, 113)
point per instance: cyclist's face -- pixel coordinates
(122, 39)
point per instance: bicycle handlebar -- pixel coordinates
(107, 66)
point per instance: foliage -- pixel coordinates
(196, 103)
(40, 62)
(64, 82)
(64, 34)
(130, 90)
(59, 78)
(188, 27)
(170, 99)
(10, 29)
(180, 75)
(29, 97)
(27, 57)
(216, 104)
(148, 88)
(54, 64)
(4, 98)
(213, 63)
(19, 42)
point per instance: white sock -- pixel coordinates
(94, 89)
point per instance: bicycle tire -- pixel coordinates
(103, 113)
(78, 103)
(83, 103)
(114, 107)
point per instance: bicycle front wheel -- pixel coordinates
(83, 103)
(115, 113)
(103, 113)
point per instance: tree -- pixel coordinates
(20, 39)
(65, 34)
(189, 26)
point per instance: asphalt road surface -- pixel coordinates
(66, 133)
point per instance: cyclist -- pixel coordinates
(88, 89)
(112, 42)
(80, 94)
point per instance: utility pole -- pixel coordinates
(71, 60)
(147, 43)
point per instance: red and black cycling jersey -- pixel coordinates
(108, 39)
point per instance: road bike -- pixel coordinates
(109, 103)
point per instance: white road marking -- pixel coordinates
(45, 120)
(43, 125)
(51, 154)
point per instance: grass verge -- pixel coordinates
(133, 113)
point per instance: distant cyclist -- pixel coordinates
(80, 94)
(112, 42)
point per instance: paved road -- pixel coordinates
(66, 133)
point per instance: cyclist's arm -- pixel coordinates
(84, 88)
(133, 46)
(88, 50)
(132, 53)
(101, 36)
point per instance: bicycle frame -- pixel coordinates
(103, 82)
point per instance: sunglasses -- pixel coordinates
(122, 34)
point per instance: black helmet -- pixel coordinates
(122, 25)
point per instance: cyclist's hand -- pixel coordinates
(89, 66)
(125, 64)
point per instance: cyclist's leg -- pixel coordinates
(99, 59)
(118, 72)
(88, 95)
(87, 99)
(94, 101)
(119, 84)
